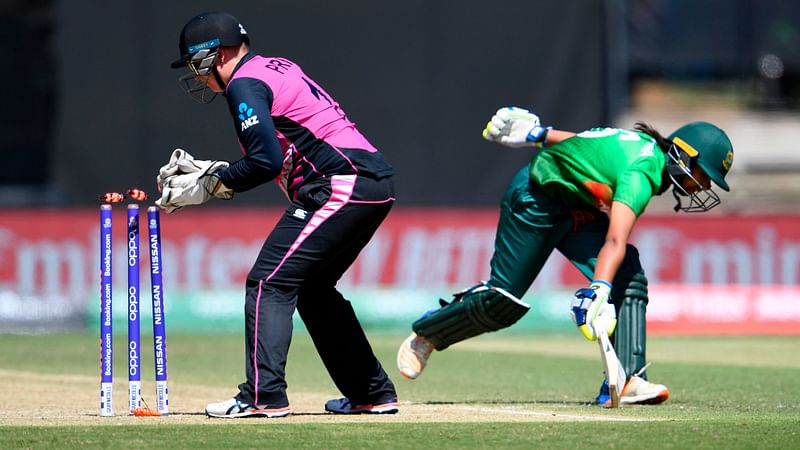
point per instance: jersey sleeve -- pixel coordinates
(250, 104)
(634, 190)
(641, 180)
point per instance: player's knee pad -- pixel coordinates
(630, 337)
(472, 312)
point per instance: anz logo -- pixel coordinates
(246, 116)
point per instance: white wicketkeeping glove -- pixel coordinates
(515, 127)
(195, 188)
(592, 312)
(180, 162)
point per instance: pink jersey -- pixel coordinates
(291, 129)
(297, 98)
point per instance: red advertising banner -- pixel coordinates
(701, 269)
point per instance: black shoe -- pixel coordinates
(345, 406)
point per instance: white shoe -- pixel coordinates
(639, 391)
(232, 408)
(413, 356)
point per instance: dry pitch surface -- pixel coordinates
(46, 399)
(69, 404)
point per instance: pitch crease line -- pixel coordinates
(556, 415)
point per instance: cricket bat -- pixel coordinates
(615, 373)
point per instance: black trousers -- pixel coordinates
(315, 241)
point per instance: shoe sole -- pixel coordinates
(383, 408)
(271, 413)
(409, 375)
(661, 397)
(404, 354)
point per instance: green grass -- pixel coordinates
(701, 434)
(718, 401)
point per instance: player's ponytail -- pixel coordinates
(663, 143)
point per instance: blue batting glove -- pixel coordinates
(591, 312)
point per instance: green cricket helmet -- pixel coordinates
(708, 146)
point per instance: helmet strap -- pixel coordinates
(218, 78)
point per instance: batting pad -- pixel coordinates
(472, 312)
(630, 336)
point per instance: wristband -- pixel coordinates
(601, 285)
(538, 134)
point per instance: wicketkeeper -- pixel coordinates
(581, 195)
(339, 187)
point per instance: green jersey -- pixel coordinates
(600, 166)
